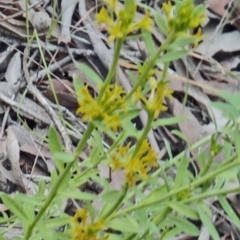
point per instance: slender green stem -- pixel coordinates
(117, 203)
(147, 128)
(57, 184)
(174, 192)
(165, 70)
(213, 193)
(150, 65)
(112, 70)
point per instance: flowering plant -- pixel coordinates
(150, 203)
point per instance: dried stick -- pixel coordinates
(44, 103)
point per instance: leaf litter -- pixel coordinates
(76, 38)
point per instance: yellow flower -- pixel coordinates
(83, 229)
(167, 8)
(115, 31)
(107, 109)
(135, 167)
(155, 102)
(184, 15)
(124, 23)
(112, 4)
(199, 37)
(103, 17)
(87, 105)
(145, 23)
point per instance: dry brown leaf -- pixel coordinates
(65, 97)
(21, 31)
(14, 73)
(214, 43)
(40, 20)
(31, 149)
(218, 6)
(190, 128)
(4, 173)
(13, 153)
(67, 7)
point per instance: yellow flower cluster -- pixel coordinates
(185, 15)
(83, 229)
(135, 167)
(124, 22)
(154, 103)
(107, 109)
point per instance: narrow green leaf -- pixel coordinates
(77, 83)
(184, 210)
(168, 147)
(54, 176)
(171, 56)
(173, 232)
(180, 135)
(208, 223)
(55, 144)
(132, 76)
(111, 196)
(14, 207)
(113, 237)
(99, 141)
(41, 187)
(33, 200)
(131, 114)
(168, 121)
(182, 41)
(148, 39)
(160, 21)
(110, 204)
(181, 172)
(124, 225)
(63, 157)
(77, 194)
(95, 78)
(228, 209)
(186, 226)
(228, 110)
(233, 99)
(237, 141)
(154, 195)
(55, 222)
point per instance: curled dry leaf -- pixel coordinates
(64, 92)
(13, 153)
(40, 20)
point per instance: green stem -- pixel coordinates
(147, 128)
(150, 64)
(111, 72)
(174, 192)
(117, 203)
(57, 184)
(165, 70)
(213, 193)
